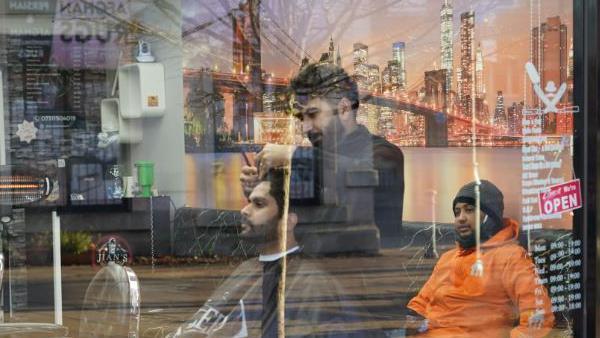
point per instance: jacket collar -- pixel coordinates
(508, 235)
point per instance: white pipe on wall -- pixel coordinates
(2, 130)
(58, 318)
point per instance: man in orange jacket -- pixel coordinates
(460, 300)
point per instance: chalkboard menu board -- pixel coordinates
(56, 74)
(61, 105)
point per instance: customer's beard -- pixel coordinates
(466, 242)
(488, 229)
(261, 234)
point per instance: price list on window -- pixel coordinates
(542, 166)
(546, 162)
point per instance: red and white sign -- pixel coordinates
(560, 198)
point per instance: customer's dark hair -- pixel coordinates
(278, 187)
(325, 80)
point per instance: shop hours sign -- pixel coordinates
(560, 198)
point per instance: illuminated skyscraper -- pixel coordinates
(570, 71)
(373, 79)
(571, 68)
(374, 86)
(482, 109)
(331, 51)
(564, 122)
(479, 84)
(500, 113)
(360, 54)
(395, 71)
(446, 16)
(246, 42)
(372, 119)
(398, 56)
(247, 60)
(551, 58)
(386, 116)
(467, 35)
(365, 77)
(515, 116)
(268, 93)
(458, 83)
(386, 121)
(386, 81)
(550, 52)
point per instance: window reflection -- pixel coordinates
(271, 168)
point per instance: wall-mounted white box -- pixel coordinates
(142, 90)
(130, 130)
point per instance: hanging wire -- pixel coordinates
(268, 10)
(477, 268)
(434, 224)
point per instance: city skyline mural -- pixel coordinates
(457, 58)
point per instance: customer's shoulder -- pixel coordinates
(448, 255)
(510, 251)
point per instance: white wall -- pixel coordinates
(163, 139)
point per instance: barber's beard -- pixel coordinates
(333, 131)
(315, 138)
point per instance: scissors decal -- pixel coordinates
(549, 95)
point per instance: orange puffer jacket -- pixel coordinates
(498, 304)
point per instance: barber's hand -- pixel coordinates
(416, 324)
(249, 179)
(274, 156)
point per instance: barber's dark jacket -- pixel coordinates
(362, 150)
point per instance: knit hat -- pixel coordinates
(491, 203)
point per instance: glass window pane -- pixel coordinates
(288, 168)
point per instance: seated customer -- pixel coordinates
(249, 302)
(465, 299)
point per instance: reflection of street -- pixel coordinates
(377, 287)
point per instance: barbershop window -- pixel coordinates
(270, 168)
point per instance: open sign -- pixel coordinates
(560, 198)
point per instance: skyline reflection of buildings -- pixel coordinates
(447, 42)
(465, 84)
(462, 95)
(550, 56)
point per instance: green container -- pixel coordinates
(145, 170)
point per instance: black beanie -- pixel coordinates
(491, 203)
